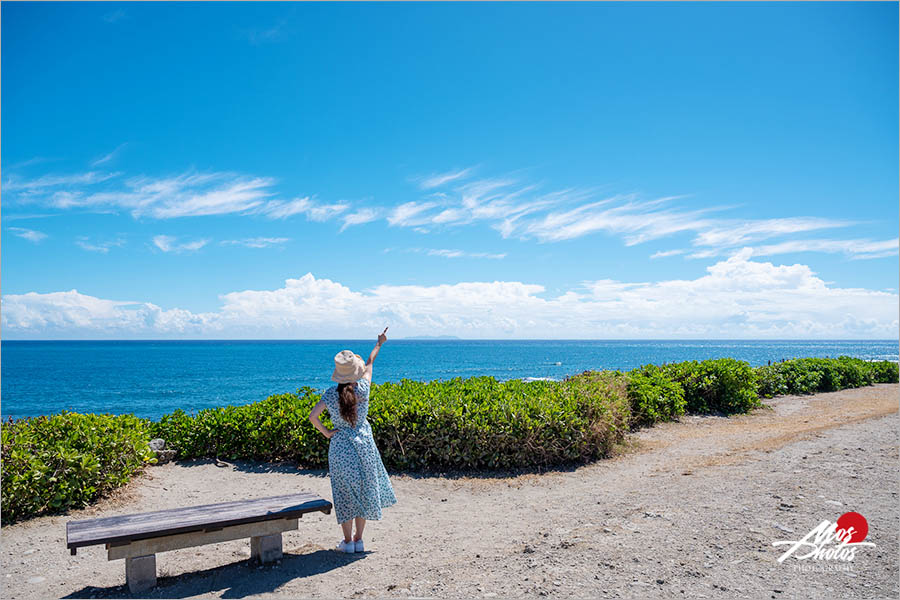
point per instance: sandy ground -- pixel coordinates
(689, 510)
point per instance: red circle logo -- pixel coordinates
(857, 522)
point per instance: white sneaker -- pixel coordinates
(348, 547)
(359, 546)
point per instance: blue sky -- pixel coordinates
(499, 170)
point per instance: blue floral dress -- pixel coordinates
(359, 482)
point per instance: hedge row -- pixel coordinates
(52, 464)
(68, 460)
(811, 375)
(476, 423)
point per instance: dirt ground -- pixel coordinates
(688, 510)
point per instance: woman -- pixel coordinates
(360, 487)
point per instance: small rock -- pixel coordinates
(833, 502)
(528, 550)
(37, 579)
(660, 581)
(164, 456)
(783, 528)
(157, 444)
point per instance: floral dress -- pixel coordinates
(359, 482)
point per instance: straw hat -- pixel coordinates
(348, 367)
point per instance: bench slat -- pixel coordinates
(146, 525)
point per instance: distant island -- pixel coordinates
(431, 337)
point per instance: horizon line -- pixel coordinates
(456, 339)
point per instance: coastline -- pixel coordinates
(694, 504)
(154, 378)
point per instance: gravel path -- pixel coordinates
(689, 510)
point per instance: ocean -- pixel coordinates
(152, 378)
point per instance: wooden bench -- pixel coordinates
(138, 537)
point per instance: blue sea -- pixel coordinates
(151, 378)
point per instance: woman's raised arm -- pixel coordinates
(382, 338)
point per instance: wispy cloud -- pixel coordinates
(410, 214)
(168, 243)
(185, 195)
(190, 194)
(855, 249)
(257, 242)
(363, 215)
(636, 220)
(24, 216)
(448, 253)
(438, 179)
(463, 254)
(108, 157)
(665, 253)
(277, 209)
(46, 182)
(732, 233)
(29, 234)
(28, 162)
(85, 243)
(262, 35)
(115, 16)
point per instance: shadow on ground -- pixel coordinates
(237, 580)
(290, 468)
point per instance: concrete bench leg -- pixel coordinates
(140, 573)
(265, 548)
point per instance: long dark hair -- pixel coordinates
(347, 402)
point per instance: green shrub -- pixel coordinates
(771, 381)
(722, 385)
(276, 428)
(68, 460)
(480, 423)
(654, 396)
(884, 371)
(812, 375)
(476, 423)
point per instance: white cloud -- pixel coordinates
(446, 253)
(46, 182)
(410, 214)
(737, 233)
(103, 247)
(665, 253)
(856, 249)
(439, 179)
(189, 194)
(257, 242)
(363, 215)
(637, 221)
(167, 243)
(29, 234)
(115, 16)
(736, 298)
(108, 157)
(314, 212)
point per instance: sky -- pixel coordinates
(482, 170)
